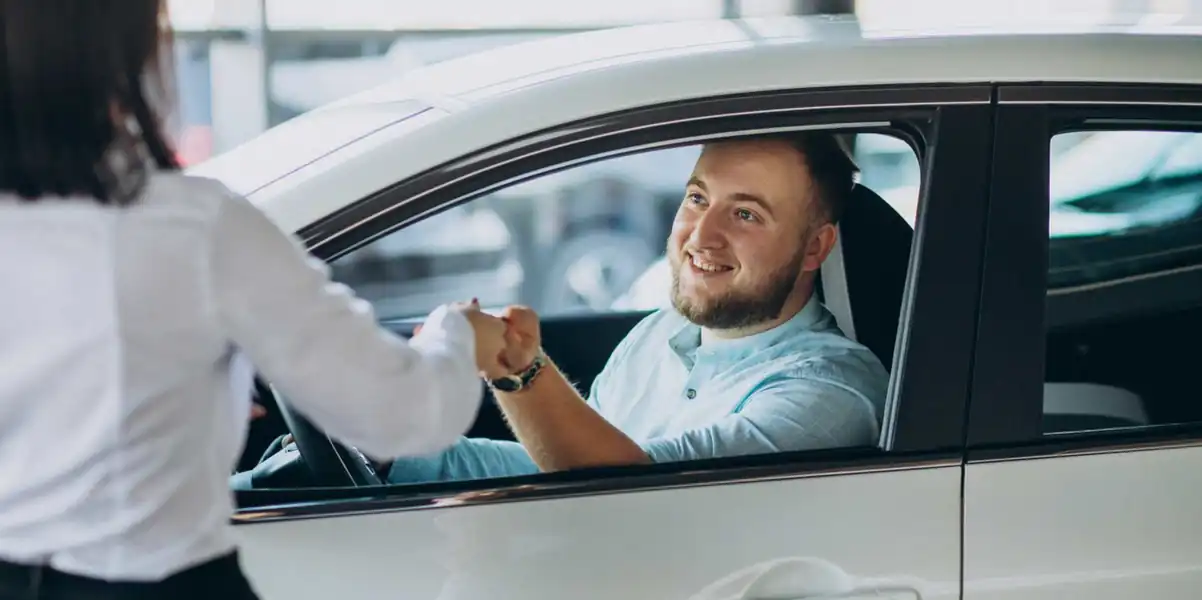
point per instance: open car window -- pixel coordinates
(584, 240)
(584, 247)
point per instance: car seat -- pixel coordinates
(863, 279)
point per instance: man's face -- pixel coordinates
(745, 235)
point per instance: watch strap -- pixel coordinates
(522, 379)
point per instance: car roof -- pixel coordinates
(482, 99)
(991, 52)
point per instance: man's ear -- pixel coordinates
(819, 246)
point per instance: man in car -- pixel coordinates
(747, 361)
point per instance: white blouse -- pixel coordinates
(123, 398)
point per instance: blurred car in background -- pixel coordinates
(465, 253)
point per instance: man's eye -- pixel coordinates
(746, 215)
(694, 198)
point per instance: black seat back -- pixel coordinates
(875, 242)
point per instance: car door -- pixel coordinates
(1084, 472)
(855, 523)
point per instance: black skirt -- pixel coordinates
(218, 578)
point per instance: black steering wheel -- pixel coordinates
(330, 463)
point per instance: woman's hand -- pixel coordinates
(490, 339)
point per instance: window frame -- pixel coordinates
(924, 416)
(1006, 405)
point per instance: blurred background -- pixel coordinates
(247, 65)
(589, 238)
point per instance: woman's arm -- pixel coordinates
(324, 350)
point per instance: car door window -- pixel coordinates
(1124, 364)
(589, 241)
(1089, 163)
(567, 242)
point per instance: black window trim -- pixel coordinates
(940, 294)
(1006, 406)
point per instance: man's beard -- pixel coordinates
(739, 308)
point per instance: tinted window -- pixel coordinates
(1123, 204)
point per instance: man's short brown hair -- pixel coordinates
(832, 167)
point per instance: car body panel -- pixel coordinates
(655, 545)
(1106, 526)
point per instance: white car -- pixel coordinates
(1043, 435)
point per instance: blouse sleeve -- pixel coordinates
(323, 349)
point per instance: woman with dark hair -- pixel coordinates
(130, 292)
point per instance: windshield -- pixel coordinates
(303, 140)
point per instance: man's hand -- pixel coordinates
(523, 338)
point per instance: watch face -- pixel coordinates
(508, 384)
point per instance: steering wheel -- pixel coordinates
(328, 462)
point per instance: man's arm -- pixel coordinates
(558, 428)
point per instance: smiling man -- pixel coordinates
(748, 361)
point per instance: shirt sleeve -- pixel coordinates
(784, 416)
(468, 459)
(323, 349)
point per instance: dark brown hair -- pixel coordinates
(84, 89)
(831, 166)
(833, 169)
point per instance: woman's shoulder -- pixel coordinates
(176, 183)
(181, 191)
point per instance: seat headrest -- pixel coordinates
(875, 252)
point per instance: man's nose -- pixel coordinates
(708, 231)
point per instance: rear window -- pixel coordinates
(290, 146)
(1123, 203)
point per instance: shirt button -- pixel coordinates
(692, 393)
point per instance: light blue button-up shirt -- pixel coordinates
(801, 385)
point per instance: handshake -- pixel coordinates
(504, 345)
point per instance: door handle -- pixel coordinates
(805, 578)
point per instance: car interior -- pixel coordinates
(1132, 369)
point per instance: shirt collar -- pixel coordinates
(685, 342)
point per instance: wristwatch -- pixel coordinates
(520, 380)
